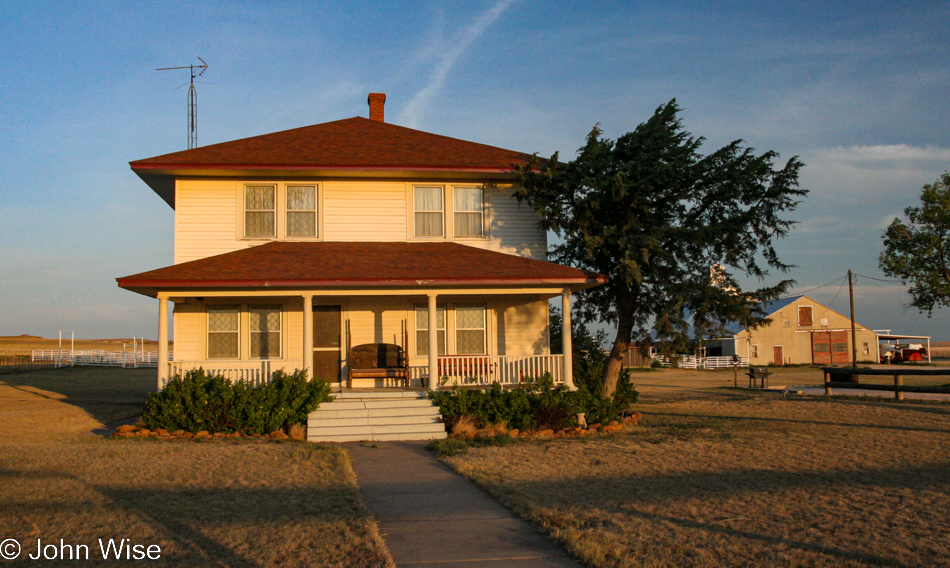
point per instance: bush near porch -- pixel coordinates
(200, 401)
(537, 405)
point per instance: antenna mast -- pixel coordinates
(192, 100)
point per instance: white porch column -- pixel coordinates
(566, 345)
(162, 341)
(308, 334)
(433, 342)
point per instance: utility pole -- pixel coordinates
(854, 345)
(192, 100)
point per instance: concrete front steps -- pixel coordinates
(375, 415)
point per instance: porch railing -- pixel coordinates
(488, 369)
(255, 372)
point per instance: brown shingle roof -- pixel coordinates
(352, 143)
(341, 264)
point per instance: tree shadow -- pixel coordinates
(107, 394)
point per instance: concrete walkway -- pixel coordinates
(430, 516)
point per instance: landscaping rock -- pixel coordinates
(594, 426)
(126, 428)
(218, 435)
(514, 432)
(178, 433)
(548, 432)
(161, 431)
(613, 428)
(278, 435)
(188, 435)
(126, 434)
(145, 431)
(202, 434)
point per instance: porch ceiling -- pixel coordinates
(394, 266)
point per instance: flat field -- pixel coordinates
(718, 477)
(25, 344)
(232, 502)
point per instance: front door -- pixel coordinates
(778, 355)
(326, 343)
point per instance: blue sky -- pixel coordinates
(859, 90)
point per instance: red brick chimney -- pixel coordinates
(376, 103)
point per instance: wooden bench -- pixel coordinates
(378, 361)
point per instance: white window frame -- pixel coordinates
(441, 212)
(280, 210)
(483, 329)
(480, 212)
(245, 210)
(208, 332)
(287, 210)
(443, 330)
(279, 332)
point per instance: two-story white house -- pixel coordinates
(294, 246)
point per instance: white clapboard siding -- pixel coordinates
(208, 212)
(187, 331)
(206, 219)
(525, 329)
(365, 211)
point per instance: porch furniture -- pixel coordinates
(378, 361)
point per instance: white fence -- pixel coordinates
(99, 358)
(693, 362)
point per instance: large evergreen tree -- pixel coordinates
(653, 214)
(918, 252)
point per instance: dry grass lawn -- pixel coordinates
(216, 503)
(731, 479)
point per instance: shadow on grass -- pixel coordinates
(108, 394)
(632, 495)
(753, 419)
(245, 528)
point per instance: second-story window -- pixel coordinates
(301, 211)
(260, 211)
(469, 214)
(427, 211)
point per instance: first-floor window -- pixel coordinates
(755, 350)
(265, 332)
(422, 330)
(470, 330)
(223, 322)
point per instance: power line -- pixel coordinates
(878, 279)
(815, 288)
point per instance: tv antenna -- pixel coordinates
(192, 100)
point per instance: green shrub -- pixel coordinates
(537, 404)
(202, 401)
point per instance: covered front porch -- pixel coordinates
(483, 336)
(449, 313)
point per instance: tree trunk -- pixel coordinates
(617, 352)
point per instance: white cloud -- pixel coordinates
(450, 50)
(895, 171)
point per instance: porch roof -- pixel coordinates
(317, 265)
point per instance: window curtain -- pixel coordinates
(301, 211)
(265, 331)
(223, 332)
(259, 207)
(468, 212)
(470, 330)
(422, 330)
(428, 211)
